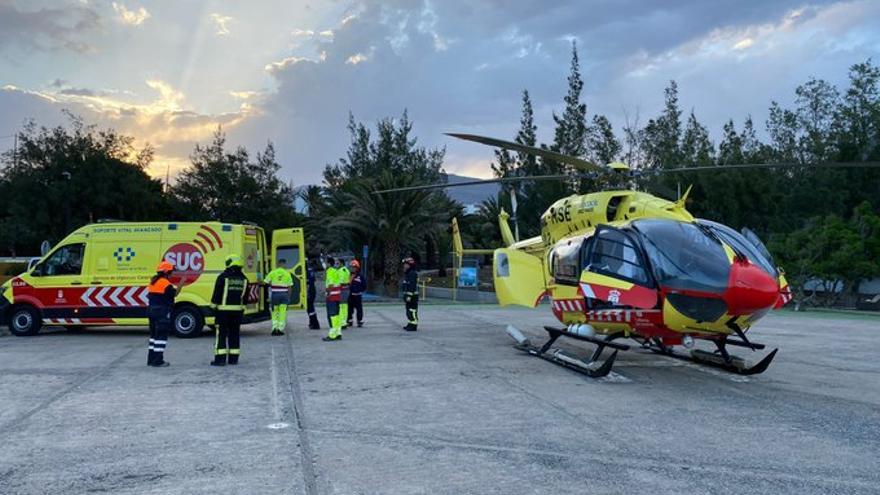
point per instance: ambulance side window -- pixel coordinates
(67, 260)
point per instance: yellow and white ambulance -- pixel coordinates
(98, 275)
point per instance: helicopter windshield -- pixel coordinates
(753, 249)
(684, 256)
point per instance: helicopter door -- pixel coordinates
(519, 278)
(615, 271)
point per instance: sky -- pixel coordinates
(169, 72)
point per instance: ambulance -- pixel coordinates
(98, 275)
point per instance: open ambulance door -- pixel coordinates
(519, 278)
(289, 245)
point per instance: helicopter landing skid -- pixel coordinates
(592, 368)
(719, 359)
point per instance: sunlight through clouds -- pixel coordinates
(131, 17)
(221, 22)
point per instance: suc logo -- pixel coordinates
(188, 261)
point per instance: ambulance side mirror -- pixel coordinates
(37, 270)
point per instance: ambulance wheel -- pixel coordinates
(188, 321)
(25, 320)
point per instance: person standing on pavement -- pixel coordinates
(279, 281)
(411, 293)
(333, 290)
(357, 286)
(345, 283)
(228, 302)
(311, 294)
(160, 294)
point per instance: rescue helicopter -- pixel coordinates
(626, 264)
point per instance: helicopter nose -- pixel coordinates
(749, 289)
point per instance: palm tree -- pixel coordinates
(393, 223)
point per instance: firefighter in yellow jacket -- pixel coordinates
(279, 281)
(228, 302)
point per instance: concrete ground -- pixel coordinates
(451, 409)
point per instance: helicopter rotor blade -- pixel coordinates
(578, 163)
(812, 166)
(477, 183)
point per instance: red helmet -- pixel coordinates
(410, 260)
(164, 267)
(355, 264)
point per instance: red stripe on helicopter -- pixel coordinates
(568, 305)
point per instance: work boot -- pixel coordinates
(161, 365)
(219, 361)
(277, 332)
(411, 328)
(233, 359)
(360, 324)
(328, 339)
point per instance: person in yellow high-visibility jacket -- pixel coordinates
(344, 282)
(333, 288)
(279, 281)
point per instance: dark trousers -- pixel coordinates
(356, 304)
(160, 327)
(313, 315)
(412, 310)
(228, 337)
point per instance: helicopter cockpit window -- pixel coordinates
(753, 249)
(614, 253)
(567, 264)
(683, 256)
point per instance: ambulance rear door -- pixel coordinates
(289, 245)
(253, 260)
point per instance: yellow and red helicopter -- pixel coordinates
(627, 264)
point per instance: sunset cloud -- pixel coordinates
(221, 24)
(130, 17)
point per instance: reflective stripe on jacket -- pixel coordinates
(230, 290)
(334, 289)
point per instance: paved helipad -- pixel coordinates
(451, 409)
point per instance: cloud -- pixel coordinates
(326, 34)
(454, 64)
(164, 121)
(130, 17)
(221, 23)
(357, 58)
(57, 28)
(729, 58)
(284, 63)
